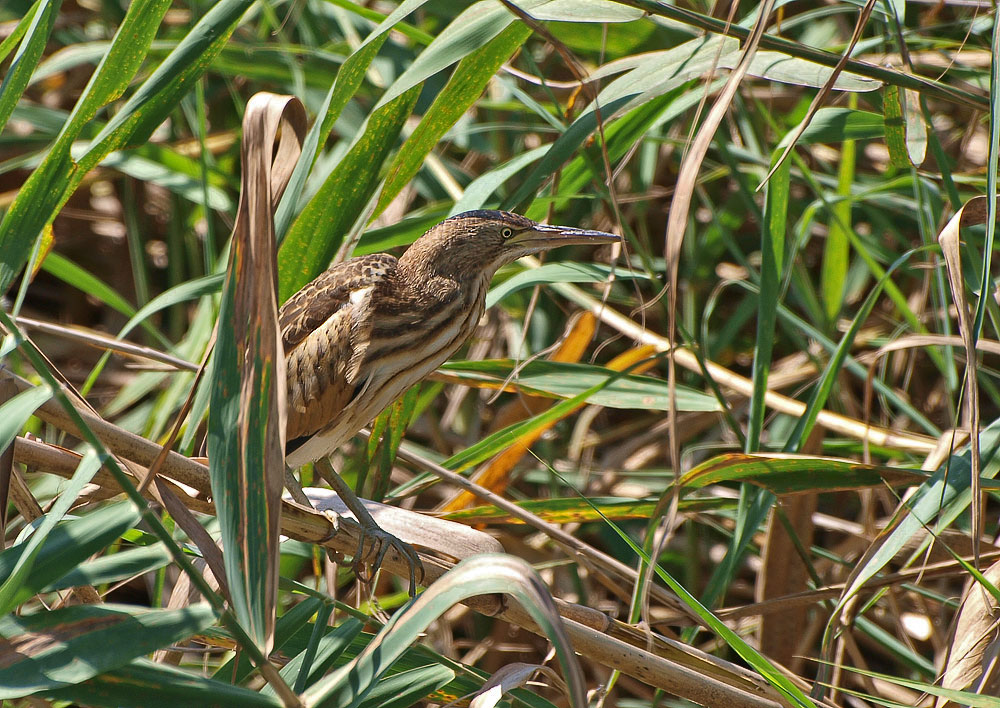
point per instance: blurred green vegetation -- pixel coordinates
(119, 179)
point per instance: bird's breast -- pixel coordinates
(413, 343)
(407, 341)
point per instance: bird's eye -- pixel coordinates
(506, 232)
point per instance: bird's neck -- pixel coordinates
(419, 269)
(428, 282)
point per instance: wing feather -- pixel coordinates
(332, 290)
(326, 328)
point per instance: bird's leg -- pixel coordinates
(299, 496)
(369, 527)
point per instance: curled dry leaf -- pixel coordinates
(512, 676)
(973, 212)
(972, 656)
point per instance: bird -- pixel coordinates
(367, 329)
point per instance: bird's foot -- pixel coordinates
(382, 542)
(369, 527)
(334, 519)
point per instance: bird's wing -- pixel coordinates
(329, 292)
(326, 328)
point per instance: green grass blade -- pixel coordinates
(50, 185)
(15, 412)
(772, 257)
(566, 379)
(33, 30)
(471, 30)
(836, 251)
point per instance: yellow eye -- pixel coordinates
(506, 232)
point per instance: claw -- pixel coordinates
(369, 527)
(382, 541)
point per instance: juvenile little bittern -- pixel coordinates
(366, 330)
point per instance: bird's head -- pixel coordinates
(477, 243)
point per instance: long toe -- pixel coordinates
(382, 541)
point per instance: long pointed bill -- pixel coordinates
(543, 236)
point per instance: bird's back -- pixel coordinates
(359, 336)
(365, 331)
(326, 330)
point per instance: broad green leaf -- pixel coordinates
(329, 649)
(402, 233)
(404, 28)
(565, 147)
(70, 57)
(42, 651)
(34, 29)
(566, 380)
(293, 624)
(14, 413)
(465, 86)
(916, 128)
(159, 94)
(50, 185)
(835, 125)
(348, 80)
(654, 73)
(483, 21)
(583, 11)
(185, 183)
(482, 188)
(502, 439)
(145, 684)
(564, 272)
(622, 134)
(574, 510)
(895, 134)
(776, 66)
(408, 688)
(53, 550)
(183, 292)
(615, 40)
(114, 567)
(772, 239)
(836, 249)
(480, 575)
(797, 474)
(11, 40)
(642, 90)
(472, 29)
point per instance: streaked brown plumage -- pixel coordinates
(366, 330)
